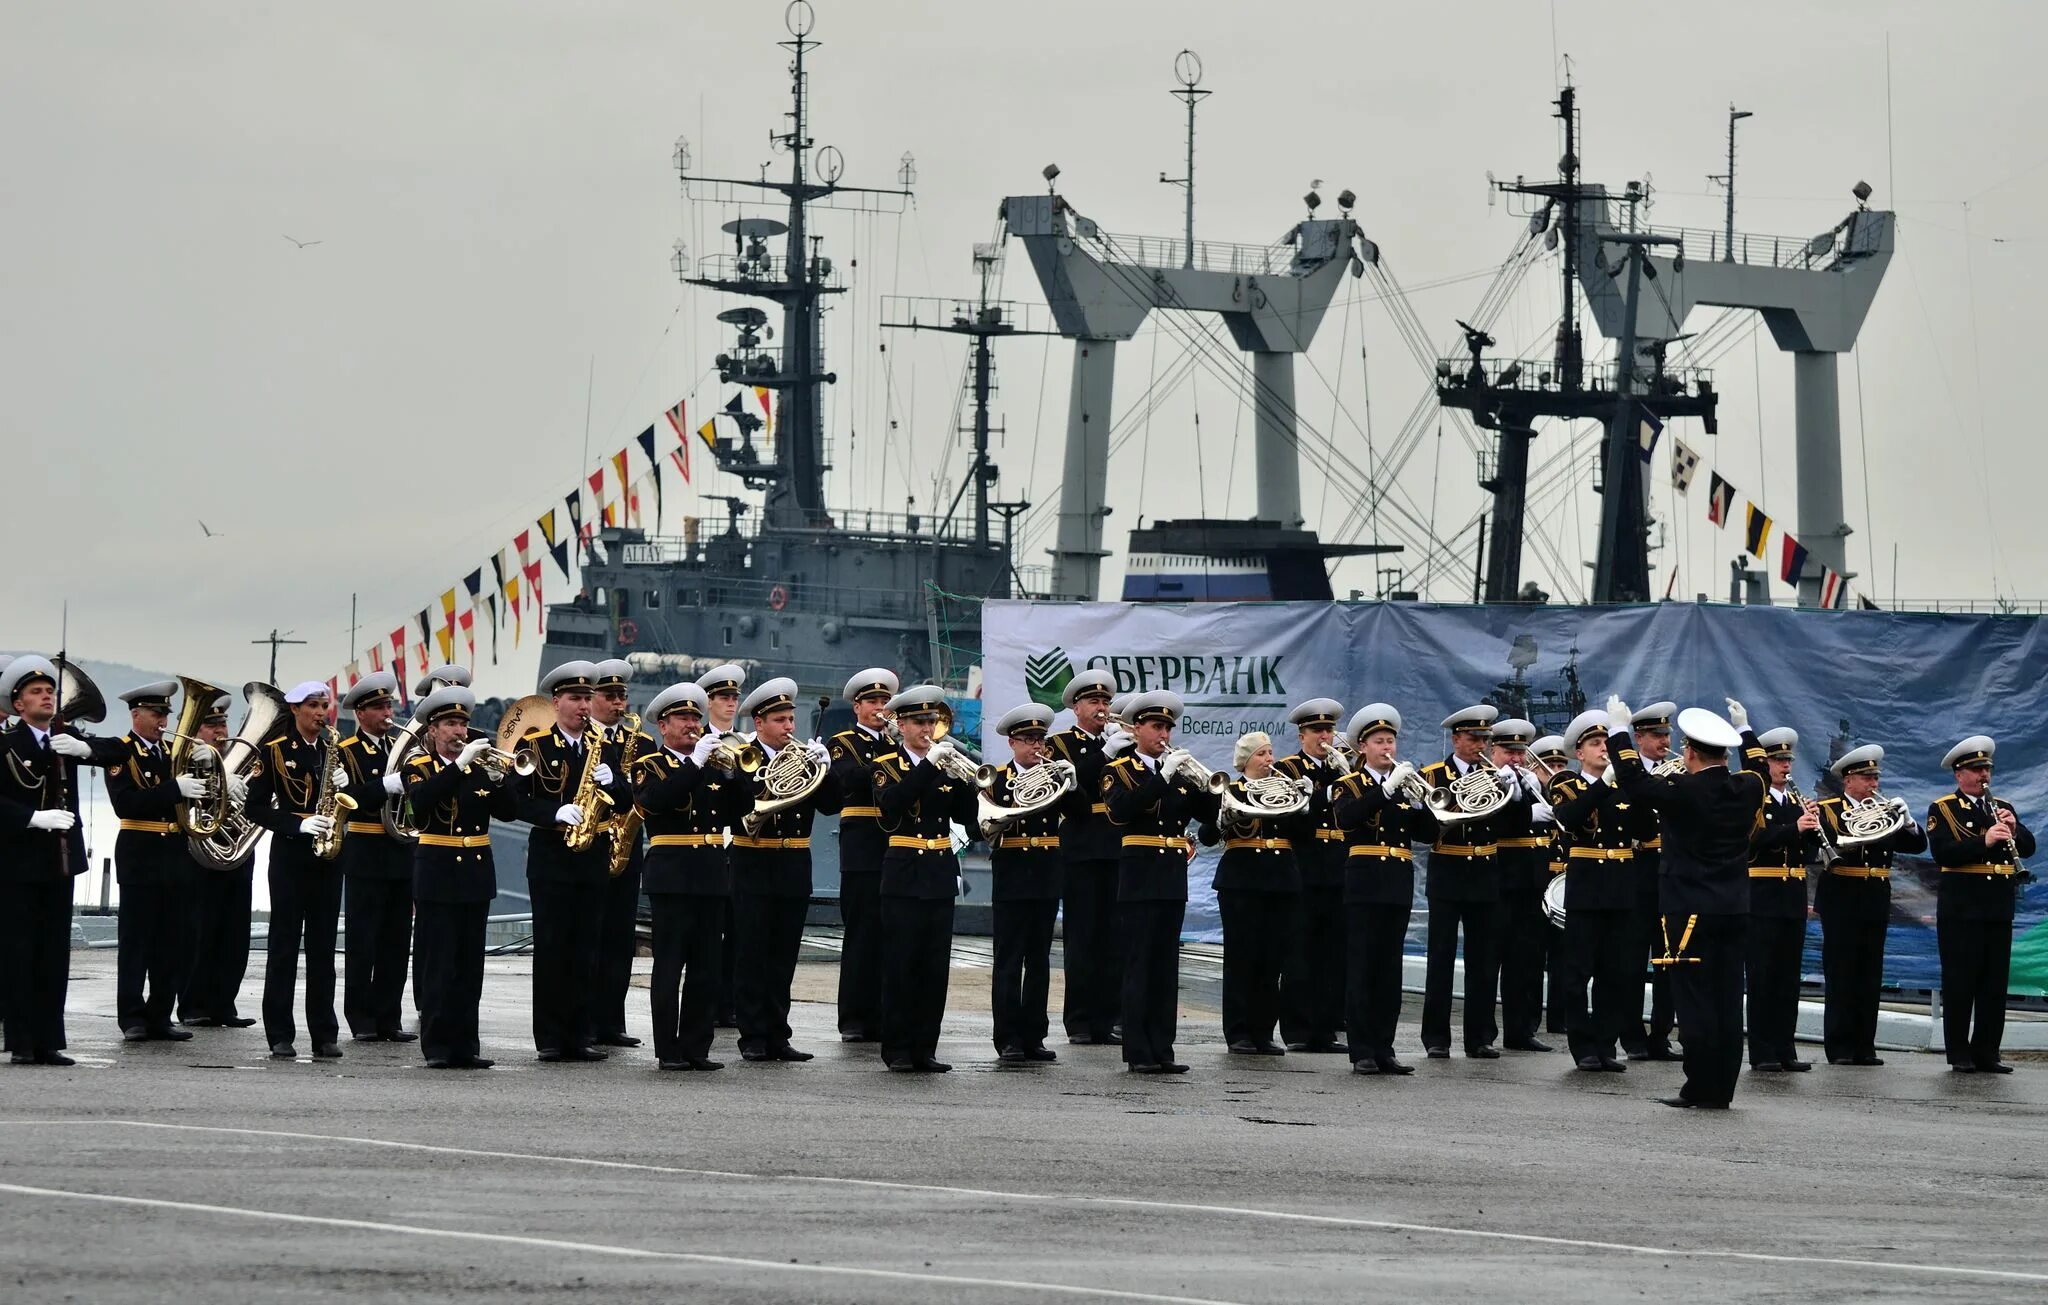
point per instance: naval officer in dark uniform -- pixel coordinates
(1312, 973)
(618, 936)
(771, 875)
(1090, 851)
(690, 796)
(1464, 890)
(305, 891)
(1651, 1039)
(1780, 850)
(1151, 797)
(40, 854)
(1024, 865)
(1380, 828)
(1854, 902)
(567, 885)
(1522, 832)
(861, 845)
(922, 799)
(377, 871)
(1978, 842)
(156, 873)
(220, 940)
(722, 685)
(1601, 828)
(453, 799)
(1258, 887)
(1707, 814)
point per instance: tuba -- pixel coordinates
(199, 817)
(1033, 790)
(785, 782)
(1265, 798)
(231, 846)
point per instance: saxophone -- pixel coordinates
(589, 799)
(331, 801)
(625, 826)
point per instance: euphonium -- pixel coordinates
(590, 799)
(231, 846)
(330, 801)
(199, 817)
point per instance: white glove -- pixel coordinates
(569, 814)
(818, 750)
(1116, 744)
(66, 745)
(1738, 715)
(603, 773)
(701, 754)
(1400, 775)
(394, 784)
(318, 826)
(53, 822)
(238, 789)
(939, 752)
(339, 776)
(1510, 779)
(1541, 813)
(1619, 718)
(477, 747)
(191, 787)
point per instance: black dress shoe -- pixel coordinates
(673, 1065)
(1867, 1060)
(927, 1065)
(1437, 1053)
(1589, 1063)
(1365, 1067)
(1012, 1056)
(586, 1054)
(858, 1036)
(438, 1062)
(1114, 1038)
(1995, 1067)
(1663, 1051)
(56, 1058)
(236, 1022)
(617, 1040)
(327, 1051)
(1041, 1052)
(199, 1022)
(135, 1033)
(1767, 1067)
(1962, 1069)
(548, 1055)
(1271, 1049)
(283, 1051)
(705, 1064)
(756, 1054)
(1797, 1066)
(475, 1062)
(1244, 1048)
(1612, 1066)
(21, 1058)
(1172, 1067)
(901, 1065)
(1528, 1044)
(398, 1035)
(1328, 1047)
(365, 1037)
(789, 1053)
(1482, 1053)
(169, 1033)
(1143, 1069)
(1389, 1065)
(1639, 1052)
(1298, 1046)
(1679, 1102)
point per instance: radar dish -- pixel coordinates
(798, 18)
(753, 227)
(1187, 66)
(830, 164)
(743, 317)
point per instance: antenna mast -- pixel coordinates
(1727, 179)
(1187, 66)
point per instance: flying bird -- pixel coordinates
(303, 243)
(209, 531)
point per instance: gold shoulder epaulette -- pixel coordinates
(420, 762)
(1945, 799)
(531, 735)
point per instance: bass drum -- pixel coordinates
(1553, 901)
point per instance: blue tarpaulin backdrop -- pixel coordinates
(1915, 683)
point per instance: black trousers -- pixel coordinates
(1312, 984)
(1259, 930)
(769, 932)
(683, 995)
(1521, 936)
(1976, 961)
(35, 957)
(156, 936)
(860, 954)
(1708, 996)
(220, 946)
(917, 943)
(1636, 1032)
(378, 948)
(1477, 918)
(567, 918)
(1772, 977)
(1091, 943)
(1151, 988)
(1372, 988)
(728, 963)
(618, 939)
(1023, 971)
(1852, 965)
(448, 976)
(1601, 947)
(305, 902)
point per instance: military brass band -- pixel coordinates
(1582, 879)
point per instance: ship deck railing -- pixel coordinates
(1710, 245)
(1542, 376)
(1210, 255)
(767, 270)
(897, 528)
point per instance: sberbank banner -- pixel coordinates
(1915, 683)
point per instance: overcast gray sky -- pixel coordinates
(492, 190)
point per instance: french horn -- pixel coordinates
(1268, 797)
(1032, 791)
(785, 782)
(1874, 818)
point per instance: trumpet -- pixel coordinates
(1671, 765)
(498, 763)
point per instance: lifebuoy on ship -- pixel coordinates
(629, 632)
(778, 598)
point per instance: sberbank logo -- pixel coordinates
(1193, 676)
